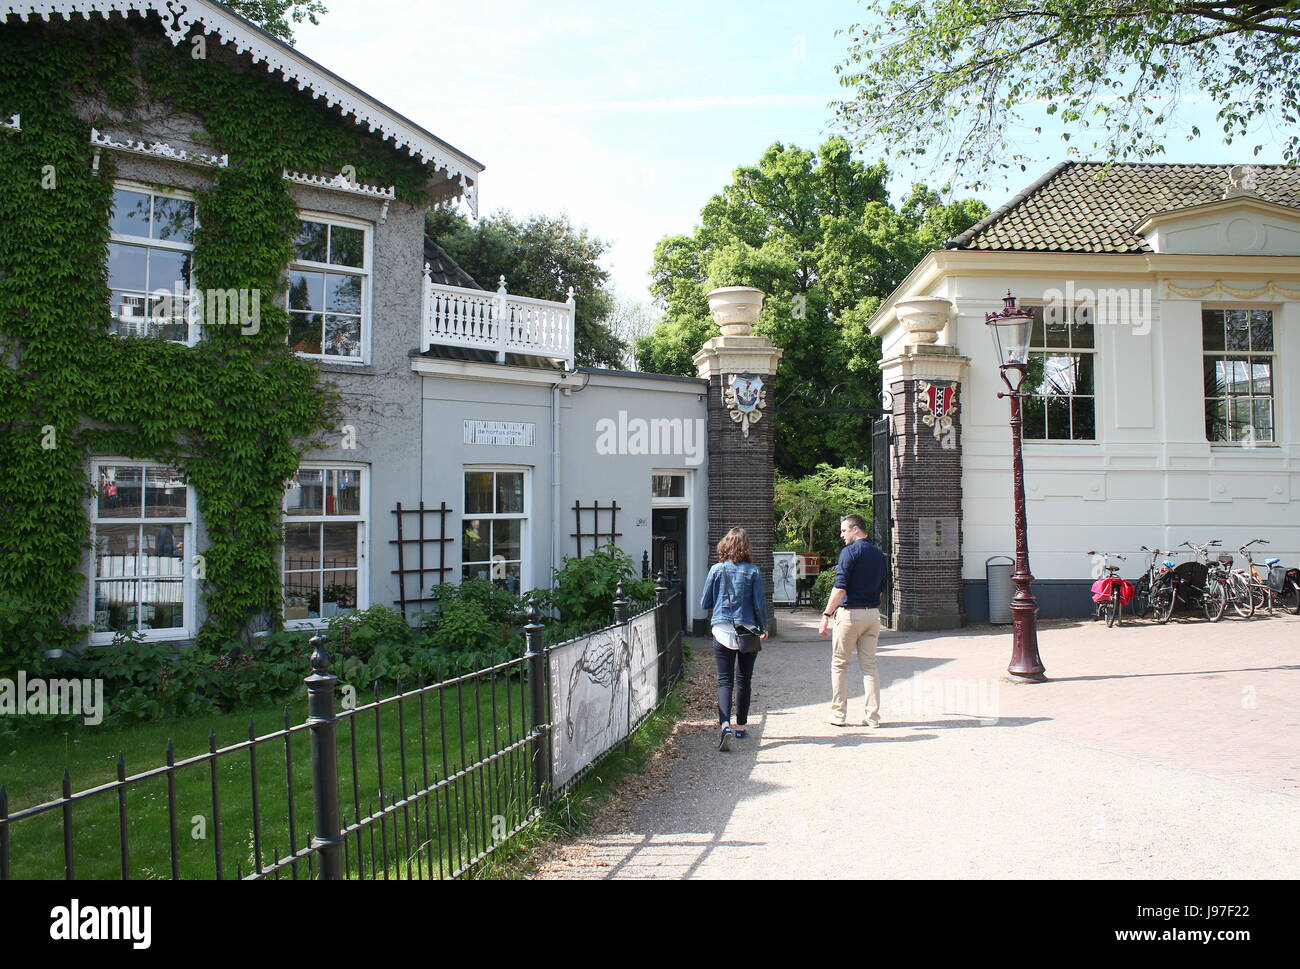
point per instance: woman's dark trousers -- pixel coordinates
(730, 663)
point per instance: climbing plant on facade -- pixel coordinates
(236, 410)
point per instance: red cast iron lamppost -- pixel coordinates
(1011, 328)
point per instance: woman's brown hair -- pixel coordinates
(735, 547)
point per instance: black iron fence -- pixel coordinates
(425, 783)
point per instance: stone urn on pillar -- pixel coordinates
(924, 318)
(735, 309)
(740, 369)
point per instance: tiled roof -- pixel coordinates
(1085, 207)
(444, 269)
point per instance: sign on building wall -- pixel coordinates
(509, 433)
(601, 686)
(937, 538)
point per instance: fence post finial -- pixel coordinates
(533, 628)
(534, 635)
(327, 838)
(620, 603)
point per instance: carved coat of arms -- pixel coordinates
(745, 399)
(939, 404)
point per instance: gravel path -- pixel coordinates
(1155, 752)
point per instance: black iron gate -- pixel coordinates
(882, 519)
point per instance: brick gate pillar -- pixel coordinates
(924, 381)
(740, 368)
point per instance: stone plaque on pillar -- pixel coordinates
(740, 369)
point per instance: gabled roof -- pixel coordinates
(178, 17)
(1087, 207)
(443, 269)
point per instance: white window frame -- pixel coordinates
(684, 501)
(367, 282)
(363, 536)
(1274, 357)
(188, 597)
(1096, 394)
(525, 530)
(193, 329)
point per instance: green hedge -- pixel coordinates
(472, 626)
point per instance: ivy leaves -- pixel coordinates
(234, 411)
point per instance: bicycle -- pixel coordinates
(1200, 584)
(1155, 592)
(1240, 595)
(1110, 592)
(1261, 592)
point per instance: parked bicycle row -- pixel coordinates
(1208, 583)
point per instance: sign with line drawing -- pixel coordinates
(600, 684)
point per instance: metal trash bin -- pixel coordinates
(998, 578)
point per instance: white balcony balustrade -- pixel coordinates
(497, 322)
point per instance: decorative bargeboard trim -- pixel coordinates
(180, 16)
(341, 184)
(158, 149)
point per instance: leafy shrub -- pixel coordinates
(583, 591)
(474, 625)
(472, 617)
(821, 590)
(149, 681)
(25, 634)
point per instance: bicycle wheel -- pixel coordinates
(1240, 597)
(1214, 600)
(1162, 604)
(1108, 612)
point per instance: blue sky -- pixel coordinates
(626, 115)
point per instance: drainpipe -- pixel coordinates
(556, 511)
(555, 479)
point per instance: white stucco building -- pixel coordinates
(1168, 303)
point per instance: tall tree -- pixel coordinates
(541, 256)
(630, 321)
(955, 79)
(273, 16)
(814, 231)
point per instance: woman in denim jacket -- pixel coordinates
(733, 595)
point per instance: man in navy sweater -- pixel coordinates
(854, 606)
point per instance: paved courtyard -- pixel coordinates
(1154, 752)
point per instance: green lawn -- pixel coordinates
(463, 724)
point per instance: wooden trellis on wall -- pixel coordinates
(597, 536)
(426, 535)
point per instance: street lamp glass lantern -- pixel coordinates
(1011, 327)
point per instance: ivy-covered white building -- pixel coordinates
(272, 392)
